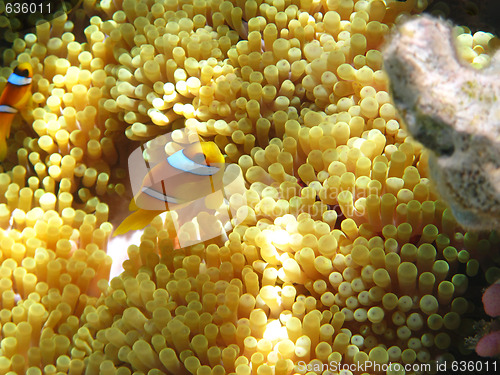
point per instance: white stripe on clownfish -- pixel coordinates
(18, 80)
(181, 162)
(157, 195)
(4, 108)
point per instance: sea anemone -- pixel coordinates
(340, 249)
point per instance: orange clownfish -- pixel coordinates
(187, 175)
(14, 97)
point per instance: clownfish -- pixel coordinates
(188, 174)
(14, 97)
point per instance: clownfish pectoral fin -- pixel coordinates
(3, 148)
(132, 205)
(4, 134)
(5, 123)
(25, 101)
(137, 220)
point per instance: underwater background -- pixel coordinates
(339, 250)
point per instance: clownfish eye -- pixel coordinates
(21, 72)
(194, 152)
(198, 158)
(203, 153)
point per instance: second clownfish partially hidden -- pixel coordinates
(14, 98)
(186, 175)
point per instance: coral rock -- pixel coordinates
(453, 110)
